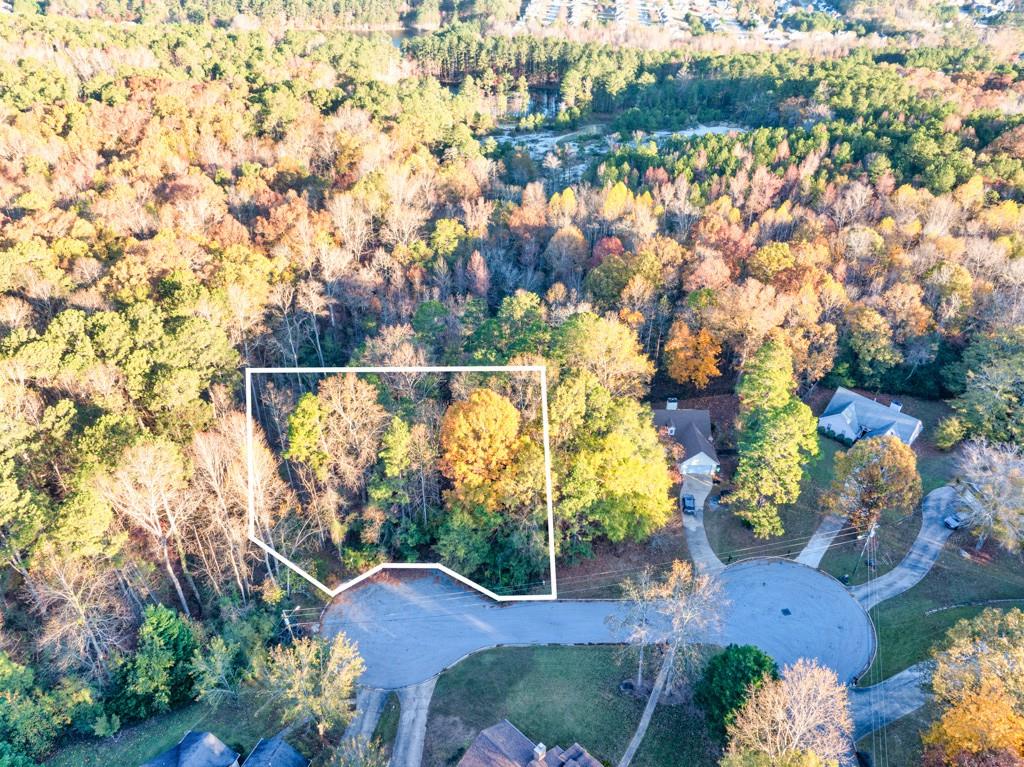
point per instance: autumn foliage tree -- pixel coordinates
(692, 357)
(801, 718)
(479, 439)
(983, 719)
(977, 683)
(876, 475)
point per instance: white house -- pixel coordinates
(692, 430)
(851, 416)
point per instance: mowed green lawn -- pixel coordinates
(848, 556)
(559, 696)
(910, 624)
(733, 540)
(900, 742)
(238, 726)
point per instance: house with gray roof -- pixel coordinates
(851, 416)
(204, 749)
(275, 753)
(503, 745)
(197, 749)
(692, 430)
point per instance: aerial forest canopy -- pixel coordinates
(178, 202)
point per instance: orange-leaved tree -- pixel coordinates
(692, 357)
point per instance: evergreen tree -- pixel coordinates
(777, 435)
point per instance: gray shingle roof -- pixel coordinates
(275, 753)
(692, 430)
(854, 416)
(196, 749)
(500, 745)
(574, 756)
(503, 745)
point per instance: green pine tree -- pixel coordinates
(777, 435)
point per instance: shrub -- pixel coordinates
(949, 432)
(728, 679)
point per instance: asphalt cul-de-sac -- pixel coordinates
(409, 629)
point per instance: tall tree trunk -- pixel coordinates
(185, 571)
(652, 703)
(174, 578)
(640, 668)
(129, 591)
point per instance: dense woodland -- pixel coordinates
(178, 202)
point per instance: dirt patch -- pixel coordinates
(819, 398)
(600, 576)
(448, 740)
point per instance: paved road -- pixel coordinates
(874, 707)
(703, 556)
(922, 555)
(409, 629)
(815, 549)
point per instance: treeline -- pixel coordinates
(372, 14)
(177, 202)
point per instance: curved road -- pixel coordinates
(409, 629)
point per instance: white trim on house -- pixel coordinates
(851, 416)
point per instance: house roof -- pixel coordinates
(574, 756)
(692, 430)
(500, 745)
(503, 745)
(275, 753)
(855, 416)
(196, 749)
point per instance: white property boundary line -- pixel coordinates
(250, 438)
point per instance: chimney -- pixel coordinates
(672, 404)
(539, 752)
(896, 405)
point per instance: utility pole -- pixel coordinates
(867, 541)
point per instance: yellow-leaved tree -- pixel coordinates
(692, 357)
(978, 682)
(479, 441)
(983, 719)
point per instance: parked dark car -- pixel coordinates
(689, 504)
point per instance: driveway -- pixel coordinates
(874, 707)
(815, 549)
(409, 629)
(703, 556)
(407, 750)
(922, 555)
